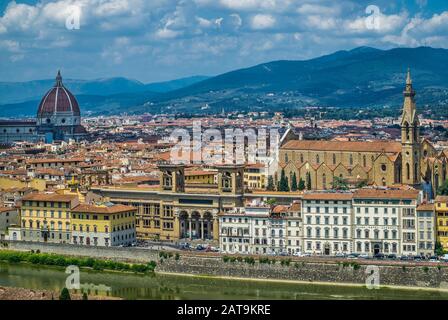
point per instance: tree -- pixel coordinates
(294, 182)
(283, 184)
(65, 294)
(361, 184)
(308, 181)
(84, 296)
(339, 184)
(271, 202)
(270, 186)
(301, 186)
(443, 189)
(438, 249)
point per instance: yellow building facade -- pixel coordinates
(46, 217)
(441, 207)
(103, 225)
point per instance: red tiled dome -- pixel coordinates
(58, 99)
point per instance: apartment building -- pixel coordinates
(8, 217)
(385, 221)
(441, 207)
(327, 221)
(426, 223)
(45, 217)
(103, 225)
(261, 229)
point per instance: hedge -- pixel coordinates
(64, 261)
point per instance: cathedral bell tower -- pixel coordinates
(410, 137)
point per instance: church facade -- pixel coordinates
(58, 118)
(412, 161)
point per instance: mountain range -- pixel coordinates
(363, 77)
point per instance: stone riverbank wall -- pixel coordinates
(304, 269)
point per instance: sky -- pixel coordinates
(158, 40)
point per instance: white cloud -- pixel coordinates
(262, 21)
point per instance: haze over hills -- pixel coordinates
(17, 92)
(362, 77)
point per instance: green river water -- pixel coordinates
(130, 286)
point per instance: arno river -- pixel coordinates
(130, 286)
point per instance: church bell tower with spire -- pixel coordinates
(410, 137)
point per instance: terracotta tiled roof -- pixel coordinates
(49, 197)
(426, 207)
(90, 208)
(385, 194)
(442, 199)
(357, 146)
(58, 99)
(327, 196)
(35, 161)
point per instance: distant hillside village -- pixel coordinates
(332, 188)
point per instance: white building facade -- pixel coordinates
(327, 220)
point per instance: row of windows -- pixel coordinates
(334, 159)
(31, 224)
(336, 246)
(50, 204)
(326, 220)
(387, 247)
(335, 234)
(377, 210)
(94, 228)
(87, 216)
(38, 234)
(45, 214)
(376, 221)
(328, 210)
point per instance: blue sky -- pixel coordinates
(156, 40)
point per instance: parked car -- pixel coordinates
(199, 247)
(297, 254)
(433, 259)
(306, 255)
(392, 256)
(405, 258)
(352, 256)
(340, 255)
(379, 256)
(364, 256)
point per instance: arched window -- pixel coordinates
(351, 159)
(324, 181)
(364, 161)
(301, 158)
(317, 159)
(334, 159)
(366, 234)
(286, 158)
(383, 181)
(408, 171)
(416, 178)
(406, 125)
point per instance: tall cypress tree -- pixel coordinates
(301, 185)
(283, 183)
(294, 182)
